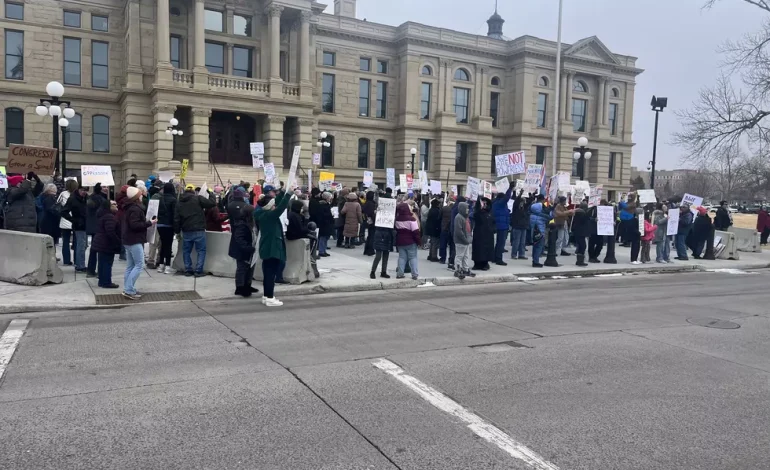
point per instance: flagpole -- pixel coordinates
(557, 83)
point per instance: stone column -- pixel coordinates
(163, 147)
(200, 34)
(606, 102)
(481, 89)
(199, 136)
(274, 13)
(304, 47)
(600, 100)
(273, 138)
(163, 69)
(134, 52)
(568, 96)
(229, 59)
(447, 85)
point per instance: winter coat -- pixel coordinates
(271, 241)
(701, 228)
(483, 235)
(560, 215)
(20, 211)
(107, 237)
(166, 208)
(433, 223)
(722, 220)
(383, 238)
(446, 217)
(627, 210)
(462, 234)
(133, 227)
(538, 218)
(649, 231)
(763, 220)
(685, 223)
(324, 219)
(242, 236)
(93, 205)
(520, 214)
(455, 210)
(352, 214)
(76, 211)
(214, 219)
(660, 221)
(581, 224)
(50, 218)
(297, 228)
(500, 210)
(407, 229)
(189, 215)
(369, 208)
(64, 224)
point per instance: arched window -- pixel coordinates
(327, 153)
(426, 70)
(74, 134)
(101, 134)
(495, 81)
(579, 86)
(363, 153)
(14, 126)
(543, 81)
(615, 93)
(462, 75)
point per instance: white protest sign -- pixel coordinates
(257, 148)
(336, 212)
(502, 185)
(309, 179)
(519, 185)
(582, 189)
(641, 224)
(673, 222)
(257, 161)
(368, 178)
(510, 205)
(402, 180)
(646, 196)
(204, 190)
(605, 221)
(269, 172)
(596, 195)
(92, 174)
(510, 164)
(693, 201)
(454, 189)
(472, 188)
(316, 159)
(3, 182)
(386, 213)
(553, 188)
(533, 178)
(424, 185)
(487, 189)
(292, 181)
(563, 182)
(152, 211)
(390, 175)
(435, 187)
(165, 176)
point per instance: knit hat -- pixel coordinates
(168, 188)
(132, 192)
(139, 183)
(239, 193)
(14, 180)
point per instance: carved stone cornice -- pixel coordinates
(273, 119)
(274, 10)
(447, 63)
(305, 16)
(163, 108)
(484, 70)
(306, 122)
(203, 112)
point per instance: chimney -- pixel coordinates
(345, 8)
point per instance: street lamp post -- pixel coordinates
(173, 132)
(413, 153)
(60, 111)
(322, 144)
(582, 154)
(658, 105)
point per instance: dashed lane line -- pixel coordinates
(10, 341)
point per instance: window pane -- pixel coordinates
(424, 154)
(74, 134)
(461, 158)
(425, 101)
(99, 68)
(461, 75)
(328, 93)
(382, 100)
(99, 23)
(363, 153)
(99, 50)
(494, 103)
(14, 11)
(71, 61)
(14, 126)
(215, 57)
(14, 55)
(72, 19)
(613, 118)
(426, 70)
(212, 20)
(242, 62)
(176, 51)
(241, 25)
(578, 115)
(542, 107)
(101, 134)
(100, 78)
(363, 97)
(327, 153)
(329, 59)
(71, 73)
(461, 105)
(101, 125)
(379, 160)
(365, 64)
(382, 66)
(539, 155)
(611, 172)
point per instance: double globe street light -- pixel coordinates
(61, 112)
(582, 153)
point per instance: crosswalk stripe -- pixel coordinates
(10, 341)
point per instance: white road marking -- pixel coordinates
(527, 279)
(609, 275)
(427, 284)
(9, 341)
(559, 277)
(729, 271)
(478, 425)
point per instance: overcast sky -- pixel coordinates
(675, 40)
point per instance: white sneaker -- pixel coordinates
(636, 262)
(273, 302)
(169, 270)
(264, 299)
(161, 267)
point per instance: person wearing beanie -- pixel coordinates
(165, 232)
(190, 221)
(95, 202)
(242, 245)
(106, 242)
(133, 230)
(20, 211)
(272, 246)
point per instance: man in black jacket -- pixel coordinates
(76, 212)
(297, 227)
(95, 202)
(519, 226)
(722, 221)
(20, 211)
(190, 221)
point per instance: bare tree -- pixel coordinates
(696, 183)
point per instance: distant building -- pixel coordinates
(662, 177)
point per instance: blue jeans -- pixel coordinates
(663, 250)
(681, 246)
(66, 247)
(104, 262)
(322, 244)
(81, 240)
(444, 241)
(198, 240)
(500, 244)
(537, 250)
(407, 253)
(518, 242)
(134, 267)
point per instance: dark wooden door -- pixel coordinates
(229, 138)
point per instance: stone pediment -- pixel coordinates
(592, 49)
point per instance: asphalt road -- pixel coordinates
(601, 373)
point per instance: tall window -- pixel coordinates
(461, 157)
(542, 109)
(14, 126)
(382, 66)
(327, 153)
(327, 93)
(539, 155)
(242, 65)
(365, 64)
(14, 11)
(382, 100)
(100, 71)
(14, 55)
(72, 19)
(241, 25)
(176, 51)
(329, 59)
(364, 90)
(71, 61)
(213, 20)
(613, 118)
(424, 154)
(380, 149)
(579, 115)
(283, 66)
(425, 96)
(611, 171)
(494, 105)
(496, 150)
(462, 97)
(215, 57)
(74, 133)
(363, 153)
(99, 23)
(101, 134)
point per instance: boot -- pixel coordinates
(372, 275)
(581, 260)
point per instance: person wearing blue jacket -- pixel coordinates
(537, 220)
(502, 216)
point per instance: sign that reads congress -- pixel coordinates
(510, 164)
(25, 158)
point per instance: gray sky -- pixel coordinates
(676, 43)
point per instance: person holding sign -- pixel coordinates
(407, 240)
(502, 223)
(383, 235)
(685, 225)
(20, 212)
(661, 240)
(272, 246)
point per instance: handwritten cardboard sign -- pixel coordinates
(510, 164)
(25, 158)
(386, 213)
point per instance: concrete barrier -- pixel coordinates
(731, 250)
(299, 268)
(28, 259)
(746, 239)
(218, 262)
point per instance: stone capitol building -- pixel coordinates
(282, 71)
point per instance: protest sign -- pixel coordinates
(336, 212)
(533, 178)
(435, 187)
(309, 179)
(292, 181)
(409, 182)
(563, 181)
(368, 178)
(582, 189)
(454, 189)
(596, 195)
(152, 211)
(325, 176)
(185, 165)
(605, 223)
(257, 161)
(553, 188)
(386, 213)
(92, 174)
(326, 185)
(510, 164)
(390, 176)
(472, 188)
(487, 189)
(269, 172)
(423, 176)
(693, 201)
(2, 170)
(3, 182)
(673, 222)
(316, 159)
(646, 196)
(502, 185)
(165, 176)
(519, 185)
(204, 190)
(402, 182)
(623, 197)
(257, 148)
(25, 158)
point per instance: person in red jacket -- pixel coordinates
(763, 225)
(407, 239)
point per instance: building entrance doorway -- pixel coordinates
(229, 138)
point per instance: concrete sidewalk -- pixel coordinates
(346, 270)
